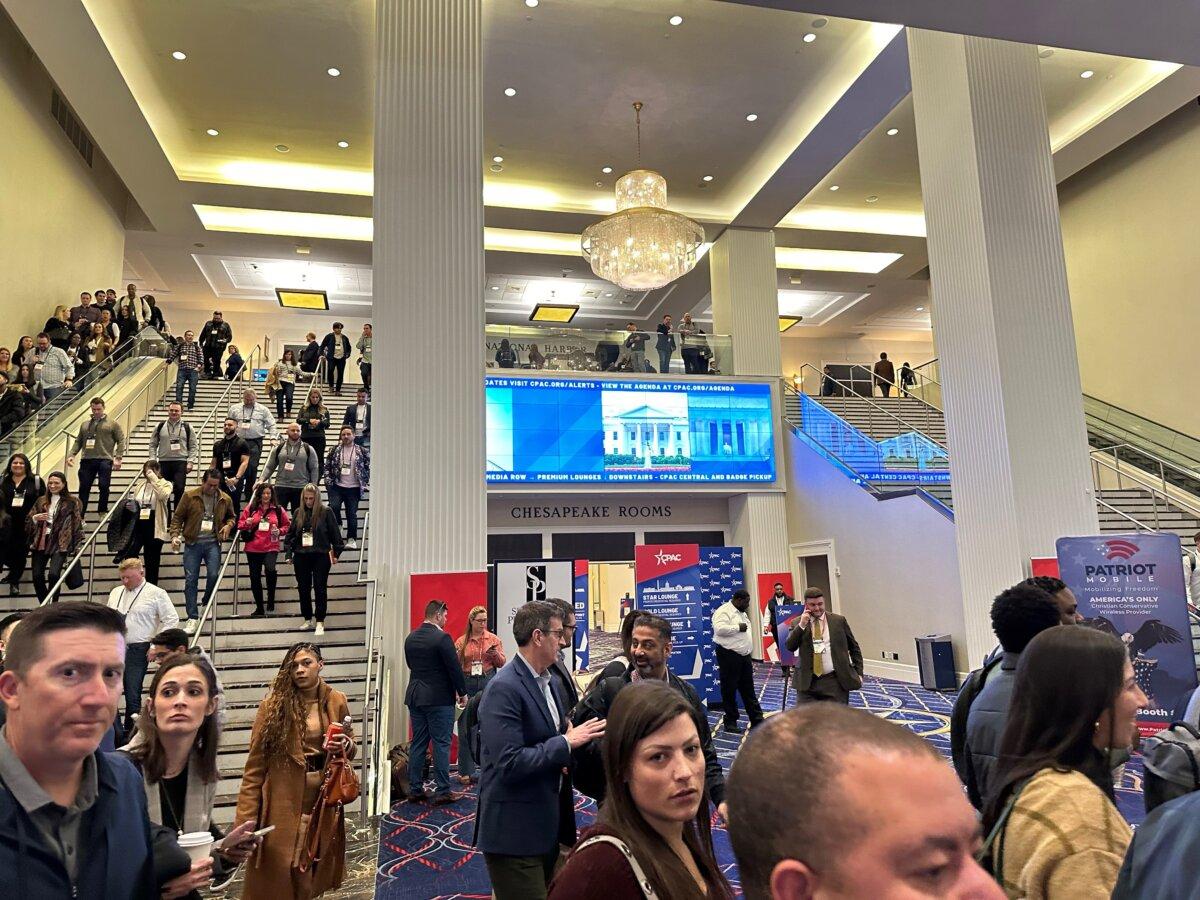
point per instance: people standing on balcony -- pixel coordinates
(58, 327)
(215, 336)
(310, 355)
(173, 445)
(266, 522)
(336, 349)
(285, 373)
(536, 360)
(282, 779)
(85, 314)
(358, 417)
(688, 348)
(147, 610)
(186, 354)
(480, 654)
(20, 489)
(314, 420)
(665, 345)
(506, 356)
(102, 441)
(203, 519)
(231, 457)
(885, 375)
(255, 424)
(635, 344)
(52, 368)
(907, 379)
(298, 465)
(315, 543)
(233, 363)
(365, 346)
(347, 475)
(55, 531)
(152, 528)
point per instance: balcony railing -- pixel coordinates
(584, 350)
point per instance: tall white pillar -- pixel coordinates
(1002, 314)
(428, 504)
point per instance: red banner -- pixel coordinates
(1044, 565)
(766, 589)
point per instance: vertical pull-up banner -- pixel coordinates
(582, 649)
(1131, 586)
(773, 650)
(518, 581)
(668, 585)
(721, 573)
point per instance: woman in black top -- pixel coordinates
(58, 327)
(127, 320)
(313, 420)
(19, 490)
(315, 542)
(77, 353)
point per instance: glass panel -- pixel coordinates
(1124, 427)
(600, 350)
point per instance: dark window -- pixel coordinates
(514, 546)
(594, 546)
(703, 538)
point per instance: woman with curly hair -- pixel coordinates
(283, 777)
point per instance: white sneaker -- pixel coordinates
(320, 630)
(352, 544)
(307, 625)
(189, 625)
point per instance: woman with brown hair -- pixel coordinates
(99, 347)
(55, 531)
(480, 653)
(315, 542)
(282, 780)
(652, 838)
(314, 420)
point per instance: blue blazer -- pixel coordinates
(522, 762)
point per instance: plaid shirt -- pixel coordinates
(187, 354)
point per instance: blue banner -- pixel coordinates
(668, 585)
(1131, 586)
(582, 651)
(788, 613)
(721, 573)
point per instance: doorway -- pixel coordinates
(609, 584)
(813, 566)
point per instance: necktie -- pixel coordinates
(818, 662)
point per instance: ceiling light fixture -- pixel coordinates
(835, 187)
(786, 322)
(497, 159)
(892, 132)
(212, 132)
(607, 170)
(820, 23)
(282, 148)
(532, 4)
(675, 20)
(872, 199)
(809, 38)
(920, 309)
(304, 250)
(496, 167)
(179, 54)
(708, 178)
(510, 92)
(559, 313)
(1086, 73)
(1045, 53)
(643, 245)
(495, 287)
(753, 117)
(333, 71)
(343, 144)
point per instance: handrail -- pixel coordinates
(873, 405)
(369, 696)
(221, 400)
(1130, 412)
(1163, 464)
(1130, 471)
(902, 391)
(113, 507)
(210, 605)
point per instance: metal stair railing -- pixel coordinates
(209, 613)
(221, 406)
(1160, 488)
(874, 410)
(1162, 440)
(368, 797)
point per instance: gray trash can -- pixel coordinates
(935, 661)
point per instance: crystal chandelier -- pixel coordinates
(643, 245)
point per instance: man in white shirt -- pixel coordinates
(732, 634)
(147, 610)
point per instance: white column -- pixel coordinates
(745, 299)
(1002, 314)
(758, 524)
(428, 501)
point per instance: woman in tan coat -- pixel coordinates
(283, 776)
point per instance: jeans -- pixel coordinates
(466, 759)
(312, 577)
(209, 553)
(337, 373)
(52, 392)
(637, 361)
(664, 361)
(136, 666)
(350, 497)
(192, 378)
(175, 471)
(89, 471)
(258, 563)
(285, 391)
(430, 723)
(47, 569)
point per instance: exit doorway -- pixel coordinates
(813, 566)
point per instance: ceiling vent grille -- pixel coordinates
(71, 127)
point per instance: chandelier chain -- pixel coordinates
(637, 112)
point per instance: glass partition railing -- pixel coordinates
(1125, 427)
(623, 351)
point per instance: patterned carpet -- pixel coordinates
(425, 853)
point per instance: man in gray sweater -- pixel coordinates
(102, 441)
(297, 464)
(173, 444)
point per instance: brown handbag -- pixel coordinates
(339, 786)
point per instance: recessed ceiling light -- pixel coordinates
(608, 293)
(835, 187)
(212, 132)
(495, 287)
(496, 167)
(532, 4)
(510, 92)
(304, 250)
(497, 159)
(920, 309)
(675, 20)
(607, 170)
(282, 148)
(708, 178)
(753, 117)
(820, 23)
(334, 71)
(872, 199)
(809, 38)
(1045, 53)
(1086, 73)
(343, 144)
(179, 54)
(892, 132)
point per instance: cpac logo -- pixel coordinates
(1118, 549)
(664, 558)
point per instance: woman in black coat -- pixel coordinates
(315, 542)
(19, 490)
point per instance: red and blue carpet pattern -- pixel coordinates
(425, 852)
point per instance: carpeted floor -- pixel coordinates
(426, 852)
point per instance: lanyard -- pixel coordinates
(133, 599)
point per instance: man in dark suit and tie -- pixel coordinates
(526, 742)
(829, 662)
(435, 681)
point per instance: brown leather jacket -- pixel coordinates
(190, 513)
(66, 531)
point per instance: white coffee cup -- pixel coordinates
(197, 844)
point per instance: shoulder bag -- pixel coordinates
(339, 786)
(648, 892)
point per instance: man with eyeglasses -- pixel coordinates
(435, 682)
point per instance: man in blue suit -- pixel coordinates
(527, 741)
(435, 681)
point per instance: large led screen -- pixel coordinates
(550, 430)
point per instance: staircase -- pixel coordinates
(247, 652)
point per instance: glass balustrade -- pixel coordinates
(621, 351)
(1125, 427)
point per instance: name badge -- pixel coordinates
(360, 426)
(89, 444)
(206, 525)
(819, 646)
(176, 446)
(245, 421)
(289, 467)
(476, 668)
(306, 539)
(227, 462)
(264, 525)
(345, 468)
(24, 500)
(144, 513)
(37, 368)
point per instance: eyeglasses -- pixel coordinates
(554, 632)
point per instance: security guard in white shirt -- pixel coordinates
(732, 634)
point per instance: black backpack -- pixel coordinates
(187, 430)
